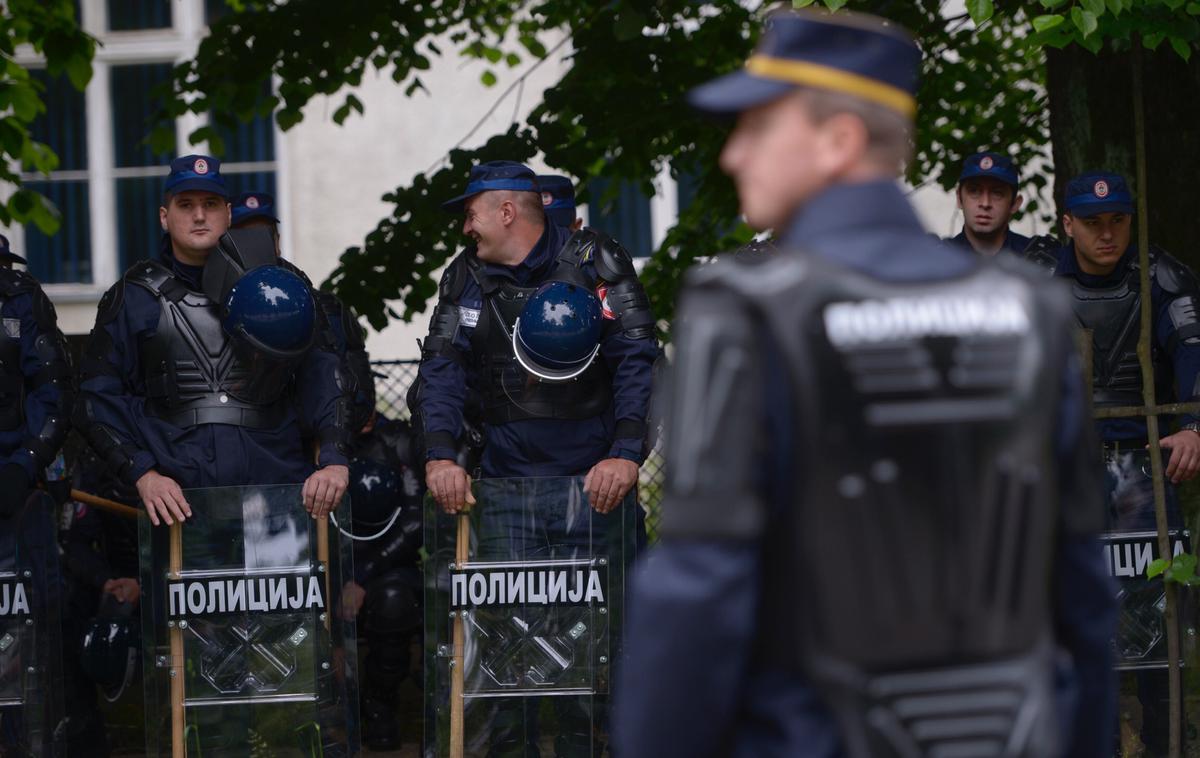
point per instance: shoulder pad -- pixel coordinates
(14, 282)
(454, 278)
(613, 262)
(110, 304)
(1171, 274)
(150, 275)
(44, 314)
(289, 266)
(1042, 251)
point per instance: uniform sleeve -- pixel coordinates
(110, 408)
(45, 364)
(1177, 332)
(321, 386)
(631, 364)
(444, 373)
(1085, 600)
(696, 597)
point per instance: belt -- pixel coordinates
(265, 417)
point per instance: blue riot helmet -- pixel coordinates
(377, 496)
(557, 335)
(112, 647)
(272, 310)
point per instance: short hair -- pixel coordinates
(527, 203)
(889, 133)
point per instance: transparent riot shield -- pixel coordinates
(524, 601)
(246, 650)
(1141, 640)
(30, 647)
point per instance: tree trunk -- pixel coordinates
(1091, 127)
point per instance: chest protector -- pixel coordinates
(1113, 316)
(194, 373)
(509, 392)
(12, 379)
(908, 576)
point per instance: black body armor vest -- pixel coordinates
(909, 575)
(194, 373)
(1113, 316)
(509, 393)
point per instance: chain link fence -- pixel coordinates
(393, 378)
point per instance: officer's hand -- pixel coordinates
(353, 596)
(323, 490)
(14, 489)
(608, 482)
(125, 589)
(163, 498)
(1185, 455)
(450, 485)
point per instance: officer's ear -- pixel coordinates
(508, 212)
(1066, 225)
(958, 196)
(1018, 199)
(162, 216)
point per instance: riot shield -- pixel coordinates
(1141, 640)
(30, 649)
(245, 649)
(524, 600)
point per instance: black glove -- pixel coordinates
(14, 489)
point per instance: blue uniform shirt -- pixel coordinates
(39, 403)
(208, 455)
(538, 447)
(1013, 242)
(695, 602)
(1183, 359)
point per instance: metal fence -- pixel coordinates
(393, 378)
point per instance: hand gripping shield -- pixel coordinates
(30, 645)
(524, 600)
(245, 648)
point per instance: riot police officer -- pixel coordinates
(257, 209)
(988, 195)
(170, 399)
(1101, 265)
(35, 401)
(385, 593)
(850, 417)
(558, 198)
(595, 425)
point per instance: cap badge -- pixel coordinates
(547, 198)
(252, 202)
(1100, 188)
(200, 166)
(986, 163)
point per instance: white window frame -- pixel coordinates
(173, 45)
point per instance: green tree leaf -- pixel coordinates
(1156, 567)
(1047, 22)
(980, 10)
(1182, 48)
(1085, 21)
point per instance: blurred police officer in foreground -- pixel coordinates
(578, 409)
(257, 209)
(171, 400)
(881, 506)
(558, 198)
(36, 388)
(988, 197)
(1101, 264)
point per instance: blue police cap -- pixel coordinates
(254, 205)
(6, 253)
(990, 166)
(1098, 192)
(494, 175)
(558, 198)
(196, 172)
(864, 56)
